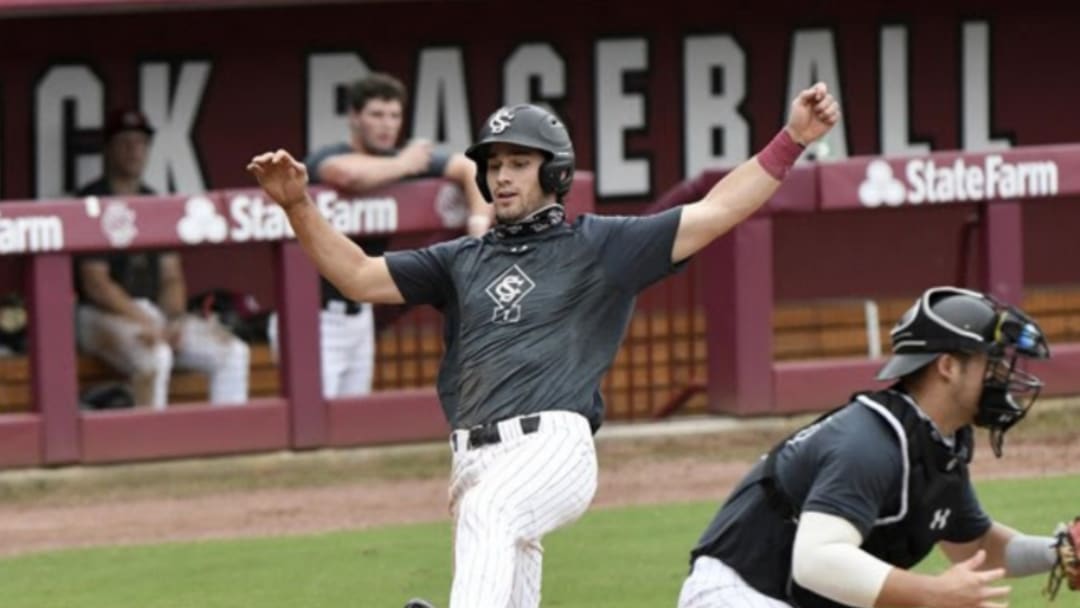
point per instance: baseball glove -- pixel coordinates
(1067, 567)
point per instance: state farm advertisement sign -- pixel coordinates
(228, 216)
(942, 178)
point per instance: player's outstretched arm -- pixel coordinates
(742, 191)
(360, 277)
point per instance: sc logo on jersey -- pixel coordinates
(508, 290)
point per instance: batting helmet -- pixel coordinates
(532, 127)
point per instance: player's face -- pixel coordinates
(968, 383)
(126, 153)
(513, 176)
(377, 124)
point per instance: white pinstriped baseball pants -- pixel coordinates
(205, 346)
(712, 584)
(346, 349)
(505, 497)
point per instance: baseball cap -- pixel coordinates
(126, 119)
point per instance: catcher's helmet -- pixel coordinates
(951, 320)
(533, 127)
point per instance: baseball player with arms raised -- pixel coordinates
(535, 311)
(836, 514)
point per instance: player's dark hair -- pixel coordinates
(376, 85)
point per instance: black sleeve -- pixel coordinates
(423, 276)
(970, 521)
(437, 166)
(856, 475)
(635, 251)
(317, 158)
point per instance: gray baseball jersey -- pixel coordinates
(532, 322)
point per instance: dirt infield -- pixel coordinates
(327, 491)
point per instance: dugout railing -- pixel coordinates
(707, 337)
(980, 220)
(237, 239)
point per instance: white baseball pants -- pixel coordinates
(712, 584)
(506, 496)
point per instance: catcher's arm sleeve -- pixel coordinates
(1026, 555)
(827, 560)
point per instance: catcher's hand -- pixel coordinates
(1068, 561)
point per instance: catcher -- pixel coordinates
(836, 514)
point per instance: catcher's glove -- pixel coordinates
(1068, 560)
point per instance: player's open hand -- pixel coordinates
(965, 586)
(813, 113)
(281, 176)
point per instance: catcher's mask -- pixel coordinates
(532, 127)
(949, 320)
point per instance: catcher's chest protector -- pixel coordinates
(935, 484)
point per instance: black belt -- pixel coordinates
(487, 434)
(351, 308)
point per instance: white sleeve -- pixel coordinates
(827, 560)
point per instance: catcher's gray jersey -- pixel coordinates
(532, 322)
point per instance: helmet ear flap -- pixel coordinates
(557, 175)
(481, 176)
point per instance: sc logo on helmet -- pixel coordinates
(501, 121)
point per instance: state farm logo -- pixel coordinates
(924, 181)
(201, 222)
(254, 219)
(31, 234)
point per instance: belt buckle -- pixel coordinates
(529, 424)
(483, 434)
(488, 434)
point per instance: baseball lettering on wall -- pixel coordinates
(655, 104)
(813, 58)
(714, 80)
(895, 112)
(173, 165)
(69, 106)
(620, 112)
(534, 73)
(975, 90)
(68, 101)
(440, 103)
(328, 78)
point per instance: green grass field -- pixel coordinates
(622, 558)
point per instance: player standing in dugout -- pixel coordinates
(535, 310)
